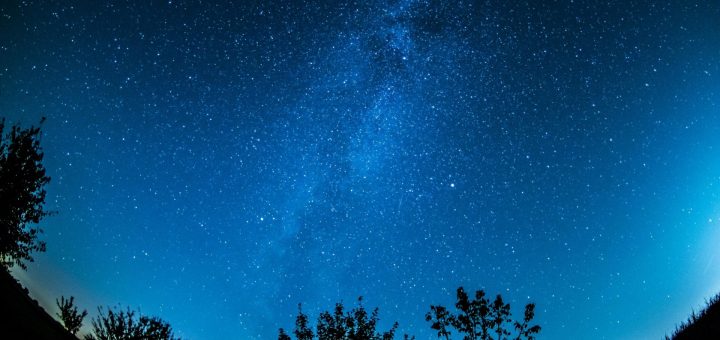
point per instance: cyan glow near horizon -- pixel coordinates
(217, 164)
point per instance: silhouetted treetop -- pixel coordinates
(125, 325)
(481, 319)
(71, 318)
(22, 194)
(356, 324)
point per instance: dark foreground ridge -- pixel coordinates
(21, 317)
(702, 325)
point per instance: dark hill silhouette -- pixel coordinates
(21, 317)
(702, 325)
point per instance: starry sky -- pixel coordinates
(216, 164)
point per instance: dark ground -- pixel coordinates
(21, 317)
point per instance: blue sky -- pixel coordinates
(217, 164)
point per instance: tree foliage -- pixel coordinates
(480, 319)
(283, 336)
(356, 324)
(71, 318)
(125, 325)
(22, 194)
(302, 328)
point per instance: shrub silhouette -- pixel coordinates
(22, 194)
(356, 324)
(702, 325)
(481, 319)
(71, 318)
(124, 325)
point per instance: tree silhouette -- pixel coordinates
(524, 329)
(442, 319)
(71, 318)
(302, 330)
(356, 324)
(22, 194)
(124, 325)
(283, 335)
(480, 319)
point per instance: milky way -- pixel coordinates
(218, 164)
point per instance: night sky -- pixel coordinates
(216, 164)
